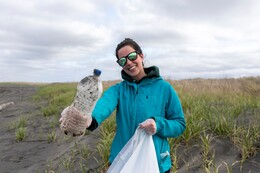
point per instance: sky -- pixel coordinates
(64, 40)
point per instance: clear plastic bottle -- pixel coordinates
(89, 90)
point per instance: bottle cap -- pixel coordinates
(97, 72)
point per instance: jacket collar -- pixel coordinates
(151, 72)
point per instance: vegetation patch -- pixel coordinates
(214, 109)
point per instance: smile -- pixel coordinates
(131, 68)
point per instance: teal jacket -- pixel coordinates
(152, 97)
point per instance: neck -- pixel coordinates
(140, 76)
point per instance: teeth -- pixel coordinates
(131, 68)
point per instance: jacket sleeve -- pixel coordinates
(173, 124)
(106, 104)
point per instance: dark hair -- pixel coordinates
(128, 42)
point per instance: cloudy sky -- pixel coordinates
(64, 40)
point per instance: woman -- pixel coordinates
(142, 99)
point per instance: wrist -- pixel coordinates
(93, 124)
(88, 121)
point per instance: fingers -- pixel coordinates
(61, 119)
(72, 115)
(74, 134)
(78, 134)
(149, 126)
(64, 111)
(72, 122)
(72, 129)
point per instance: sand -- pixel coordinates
(35, 153)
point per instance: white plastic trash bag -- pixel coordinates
(138, 155)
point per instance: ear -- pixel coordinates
(141, 55)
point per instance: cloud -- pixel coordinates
(52, 41)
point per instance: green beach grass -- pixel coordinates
(214, 108)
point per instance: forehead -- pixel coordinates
(125, 51)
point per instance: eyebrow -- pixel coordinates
(128, 54)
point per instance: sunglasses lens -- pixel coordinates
(122, 61)
(132, 56)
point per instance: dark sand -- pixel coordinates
(35, 154)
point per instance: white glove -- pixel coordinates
(72, 122)
(149, 126)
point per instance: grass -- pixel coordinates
(57, 96)
(74, 160)
(207, 155)
(20, 122)
(213, 108)
(51, 137)
(20, 134)
(107, 131)
(218, 106)
(20, 128)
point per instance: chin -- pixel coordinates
(133, 73)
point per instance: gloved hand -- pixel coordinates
(149, 126)
(72, 122)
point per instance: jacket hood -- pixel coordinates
(151, 72)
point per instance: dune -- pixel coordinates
(37, 154)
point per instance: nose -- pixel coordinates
(128, 62)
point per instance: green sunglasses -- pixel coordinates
(131, 56)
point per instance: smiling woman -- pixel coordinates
(142, 100)
(131, 62)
